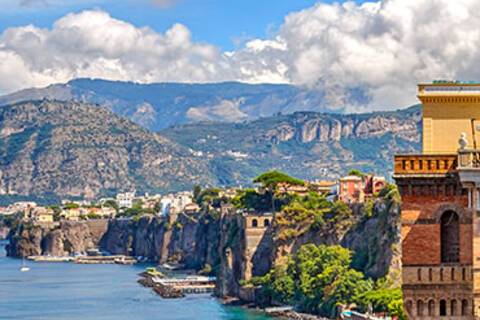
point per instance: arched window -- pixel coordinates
(453, 308)
(443, 308)
(254, 223)
(464, 274)
(409, 307)
(452, 274)
(450, 237)
(266, 223)
(420, 308)
(441, 274)
(419, 274)
(465, 308)
(431, 308)
(430, 275)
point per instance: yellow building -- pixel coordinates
(449, 109)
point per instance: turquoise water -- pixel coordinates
(52, 291)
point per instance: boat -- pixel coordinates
(24, 267)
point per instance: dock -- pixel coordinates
(50, 259)
(170, 288)
(116, 259)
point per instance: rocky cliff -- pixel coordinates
(374, 239)
(79, 150)
(305, 144)
(61, 239)
(217, 241)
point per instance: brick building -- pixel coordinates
(440, 206)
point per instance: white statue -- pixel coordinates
(463, 142)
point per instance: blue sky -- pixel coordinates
(225, 23)
(373, 47)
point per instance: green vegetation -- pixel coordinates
(319, 279)
(356, 172)
(270, 181)
(71, 205)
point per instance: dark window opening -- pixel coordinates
(443, 308)
(450, 237)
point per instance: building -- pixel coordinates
(357, 189)
(351, 189)
(42, 215)
(440, 191)
(125, 200)
(175, 203)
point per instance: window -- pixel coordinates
(430, 275)
(420, 308)
(450, 237)
(254, 223)
(464, 274)
(452, 274)
(453, 308)
(419, 274)
(443, 308)
(441, 274)
(431, 308)
(465, 307)
(266, 223)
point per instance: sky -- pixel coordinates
(378, 48)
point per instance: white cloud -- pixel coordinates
(378, 50)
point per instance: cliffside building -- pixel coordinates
(440, 191)
(356, 189)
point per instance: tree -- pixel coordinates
(270, 181)
(317, 279)
(71, 205)
(356, 172)
(111, 204)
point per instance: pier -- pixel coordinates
(178, 287)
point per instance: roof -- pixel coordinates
(351, 178)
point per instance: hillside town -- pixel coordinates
(355, 188)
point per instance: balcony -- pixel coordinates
(422, 164)
(469, 159)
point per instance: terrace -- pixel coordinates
(437, 164)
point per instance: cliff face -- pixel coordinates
(65, 239)
(307, 145)
(374, 241)
(190, 240)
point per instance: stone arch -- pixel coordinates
(454, 308)
(266, 223)
(431, 308)
(420, 308)
(465, 309)
(254, 223)
(443, 308)
(450, 237)
(459, 210)
(409, 308)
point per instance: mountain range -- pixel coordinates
(160, 105)
(87, 138)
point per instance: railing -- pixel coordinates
(469, 159)
(425, 164)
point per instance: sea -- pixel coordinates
(54, 291)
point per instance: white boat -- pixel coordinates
(24, 267)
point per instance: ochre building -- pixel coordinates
(440, 206)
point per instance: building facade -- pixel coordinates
(440, 206)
